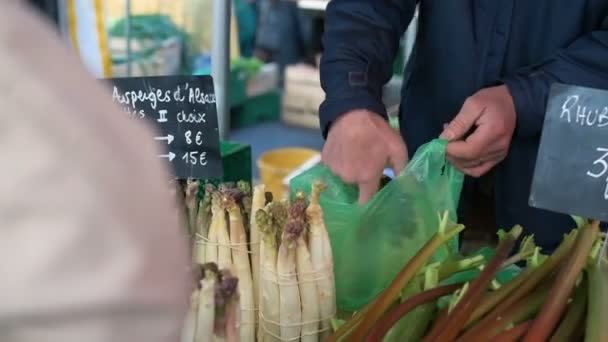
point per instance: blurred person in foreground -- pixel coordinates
(90, 247)
(479, 76)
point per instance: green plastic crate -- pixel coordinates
(258, 109)
(236, 160)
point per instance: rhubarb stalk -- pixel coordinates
(514, 334)
(575, 316)
(523, 283)
(596, 330)
(388, 296)
(393, 316)
(461, 313)
(554, 306)
(523, 310)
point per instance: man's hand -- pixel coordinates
(492, 113)
(360, 144)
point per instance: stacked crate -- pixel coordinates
(303, 95)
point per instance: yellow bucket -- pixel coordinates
(277, 164)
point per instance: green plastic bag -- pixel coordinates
(372, 243)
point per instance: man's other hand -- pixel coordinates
(491, 113)
(360, 144)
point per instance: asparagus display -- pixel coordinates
(279, 252)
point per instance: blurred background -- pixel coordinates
(271, 78)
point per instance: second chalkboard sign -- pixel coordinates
(184, 111)
(571, 174)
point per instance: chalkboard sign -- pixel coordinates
(571, 174)
(183, 110)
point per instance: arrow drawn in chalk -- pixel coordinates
(169, 139)
(169, 156)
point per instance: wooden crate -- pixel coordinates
(303, 96)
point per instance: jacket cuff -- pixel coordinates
(529, 93)
(331, 109)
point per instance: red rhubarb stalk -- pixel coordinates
(514, 334)
(596, 330)
(523, 283)
(567, 329)
(387, 297)
(523, 310)
(393, 316)
(458, 317)
(556, 302)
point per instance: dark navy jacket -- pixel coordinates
(463, 46)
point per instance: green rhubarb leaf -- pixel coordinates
(580, 222)
(336, 323)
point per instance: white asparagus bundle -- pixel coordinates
(206, 304)
(203, 223)
(258, 202)
(191, 202)
(322, 259)
(242, 269)
(269, 221)
(289, 293)
(306, 274)
(189, 328)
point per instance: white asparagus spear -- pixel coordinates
(227, 318)
(217, 211)
(203, 223)
(290, 307)
(206, 304)
(257, 203)
(242, 269)
(308, 293)
(306, 275)
(224, 255)
(189, 329)
(322, 259)
(191, 201)
(268, 330)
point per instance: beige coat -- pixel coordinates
(90, 245)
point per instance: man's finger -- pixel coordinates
(367, 190)
(462, 123)
(398, 161)
(474, 147)
(467, 164)
(479, 170)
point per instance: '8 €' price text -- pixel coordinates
(600, 168)
(194, 157)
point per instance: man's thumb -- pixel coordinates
(462, 123)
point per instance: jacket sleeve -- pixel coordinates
(360, 43)
(583, 63)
